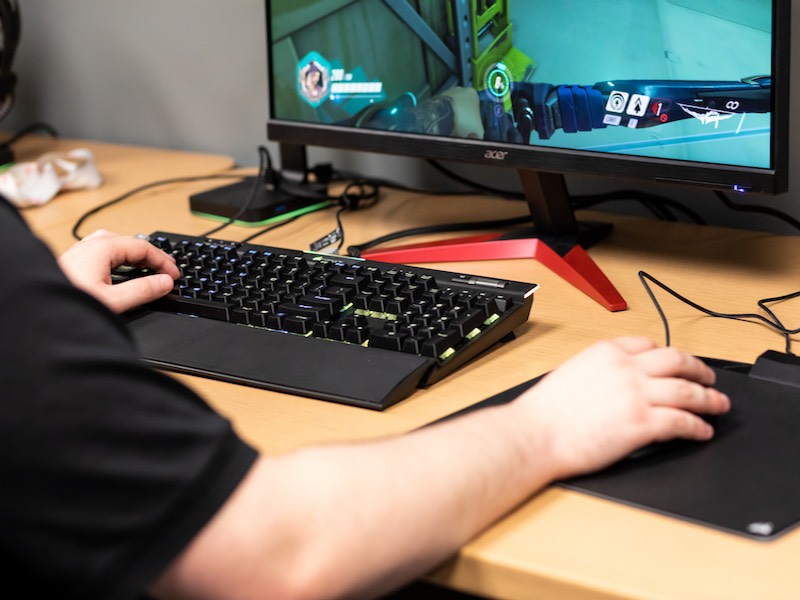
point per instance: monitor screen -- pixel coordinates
(663, 90)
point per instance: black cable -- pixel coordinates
(388, 183)
(143, 188)
(766, 210)
(659, 310)
(356, 250)
(354, 194)
(333, 176)
(29, 129)
(659, 205)
(763, 304)
(265, 168)
(271, 228)
(656, 203)
(352, 198)
(659, 211)
(340, 228)
(7, 154)
(772, 321)
(474, 185)
(358, 194)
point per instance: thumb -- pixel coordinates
(141, 290)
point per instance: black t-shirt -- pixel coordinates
(108, 468)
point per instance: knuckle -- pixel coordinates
(686, 390)
(688, 423)
(675, 358)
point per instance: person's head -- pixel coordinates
(313, 76)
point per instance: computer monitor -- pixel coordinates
(684, 91)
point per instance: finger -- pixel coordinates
(671, 362)
(135, 292)
(633, 344)
(686, 395)
(140, 253)
(668, 424)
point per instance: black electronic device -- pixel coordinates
(693, 93)
(270, 196)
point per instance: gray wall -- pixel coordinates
(190, 74)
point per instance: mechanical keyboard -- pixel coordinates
(342, 329)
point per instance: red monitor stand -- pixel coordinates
(558, 242)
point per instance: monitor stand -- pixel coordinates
(261, 200)
(557, 240)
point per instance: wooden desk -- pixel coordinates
(123, 168)
(561, 544)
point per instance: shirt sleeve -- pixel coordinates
(108, 467)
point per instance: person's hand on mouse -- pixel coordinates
(88, 265)
(617, 396)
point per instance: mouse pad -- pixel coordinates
(746, 481)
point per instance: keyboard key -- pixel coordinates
(316, 313)
(195, 306)
(388, 340)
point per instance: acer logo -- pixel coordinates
(495, 154)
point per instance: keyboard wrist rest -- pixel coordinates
(307, 366)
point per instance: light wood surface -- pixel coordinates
(123, 168)
(561, 544)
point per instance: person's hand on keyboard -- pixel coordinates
(617, 396)
(89, 265)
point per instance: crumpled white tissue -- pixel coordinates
(37, 182)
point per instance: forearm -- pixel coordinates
(406, 524)
(351, 520)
